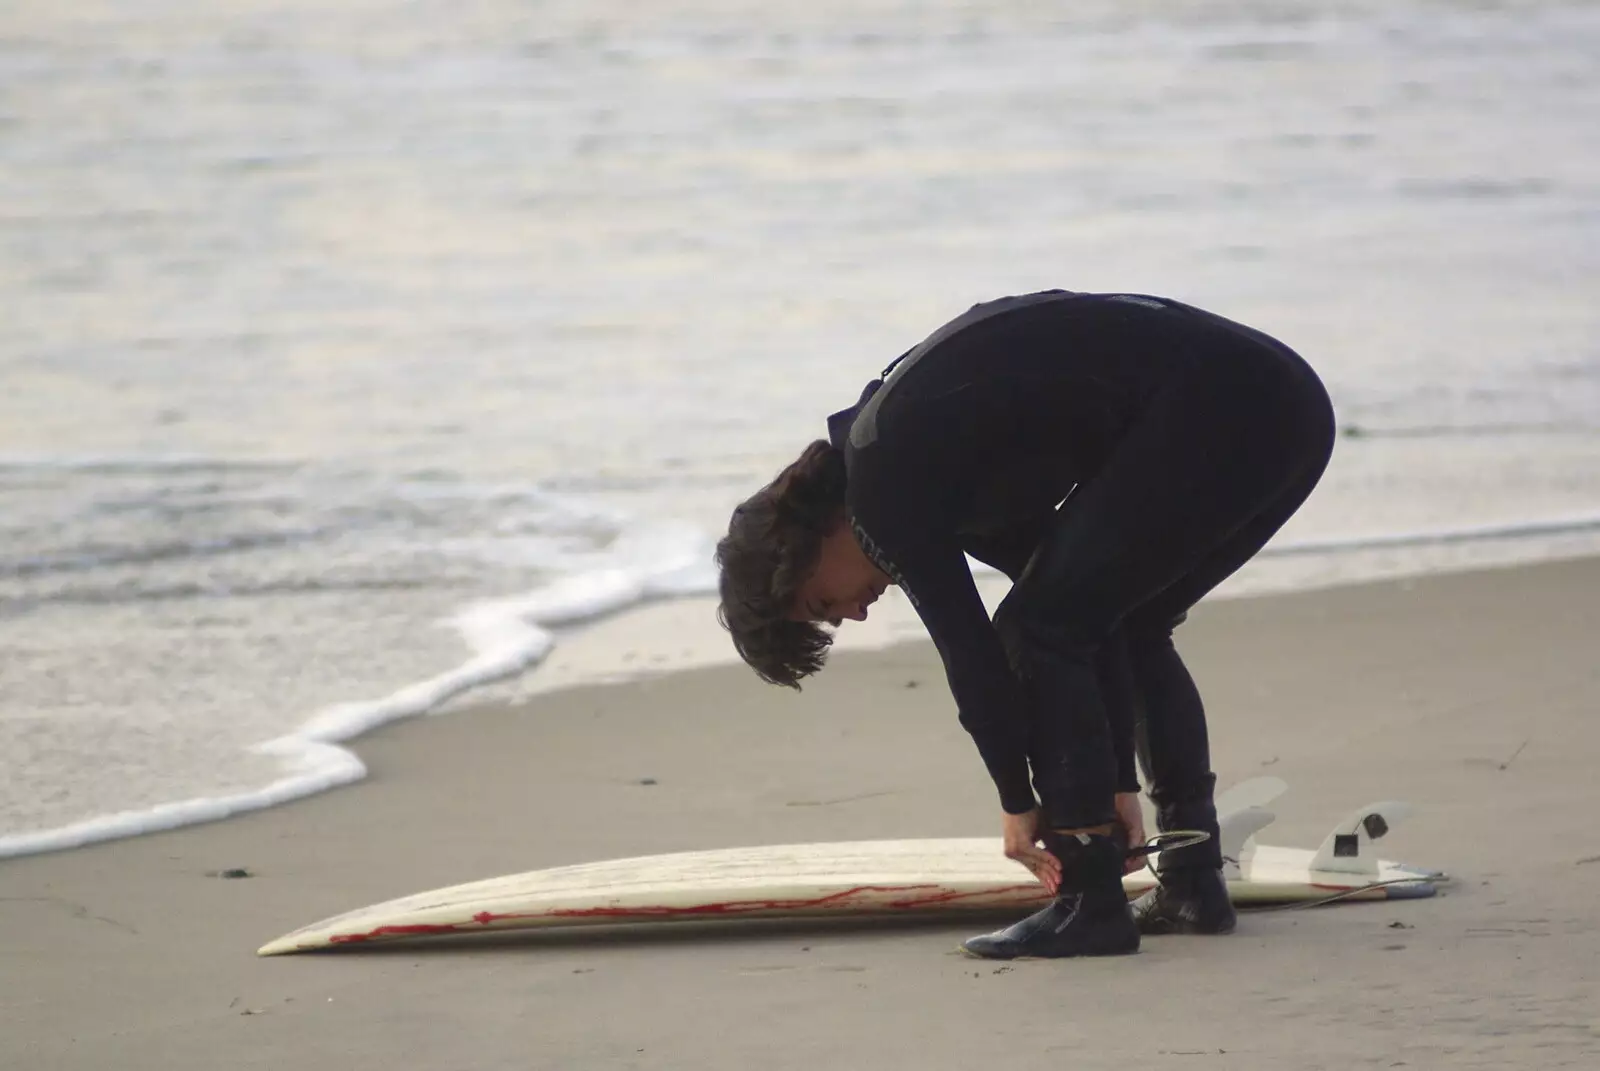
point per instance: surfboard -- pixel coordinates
(835, 879)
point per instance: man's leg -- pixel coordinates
(1174, 746)
(1209, 472)
(1075, 773)
(1173, 742)
(1174, 750)
(1207, 455)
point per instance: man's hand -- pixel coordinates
(1131, 819)
(1021, 833)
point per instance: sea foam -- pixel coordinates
(504, 637)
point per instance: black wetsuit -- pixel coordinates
(1117, 455)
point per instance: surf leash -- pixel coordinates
(1184, 838)
(1168, 841)
(1342, 894)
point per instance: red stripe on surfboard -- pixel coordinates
(392, 931)
(842, 899)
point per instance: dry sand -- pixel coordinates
(1475, 696)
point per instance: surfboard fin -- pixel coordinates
(1238, 830)
(1344, 850)
(1255, 792)
(1241, 814)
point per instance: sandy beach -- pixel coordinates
(377, 364)
(1472, 695)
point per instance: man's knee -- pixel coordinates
(1180, 789)
(1028, 631)
(1146, 629)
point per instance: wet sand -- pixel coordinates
(1475, 696)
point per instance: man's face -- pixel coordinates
(842, 586)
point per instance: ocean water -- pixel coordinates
(358, 354)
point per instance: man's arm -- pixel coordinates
(933, 574)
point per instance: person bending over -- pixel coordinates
(1115, 455)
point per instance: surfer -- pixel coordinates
(1115, 455)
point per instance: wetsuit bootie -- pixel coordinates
(1089, 916)
(1190, 899)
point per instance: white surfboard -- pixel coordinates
(889, 877)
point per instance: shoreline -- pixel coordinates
(1471, 695)
(618, 637)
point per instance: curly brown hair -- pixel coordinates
(773, 543)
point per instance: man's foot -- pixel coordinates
(1188, 900)
(1090, 915)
